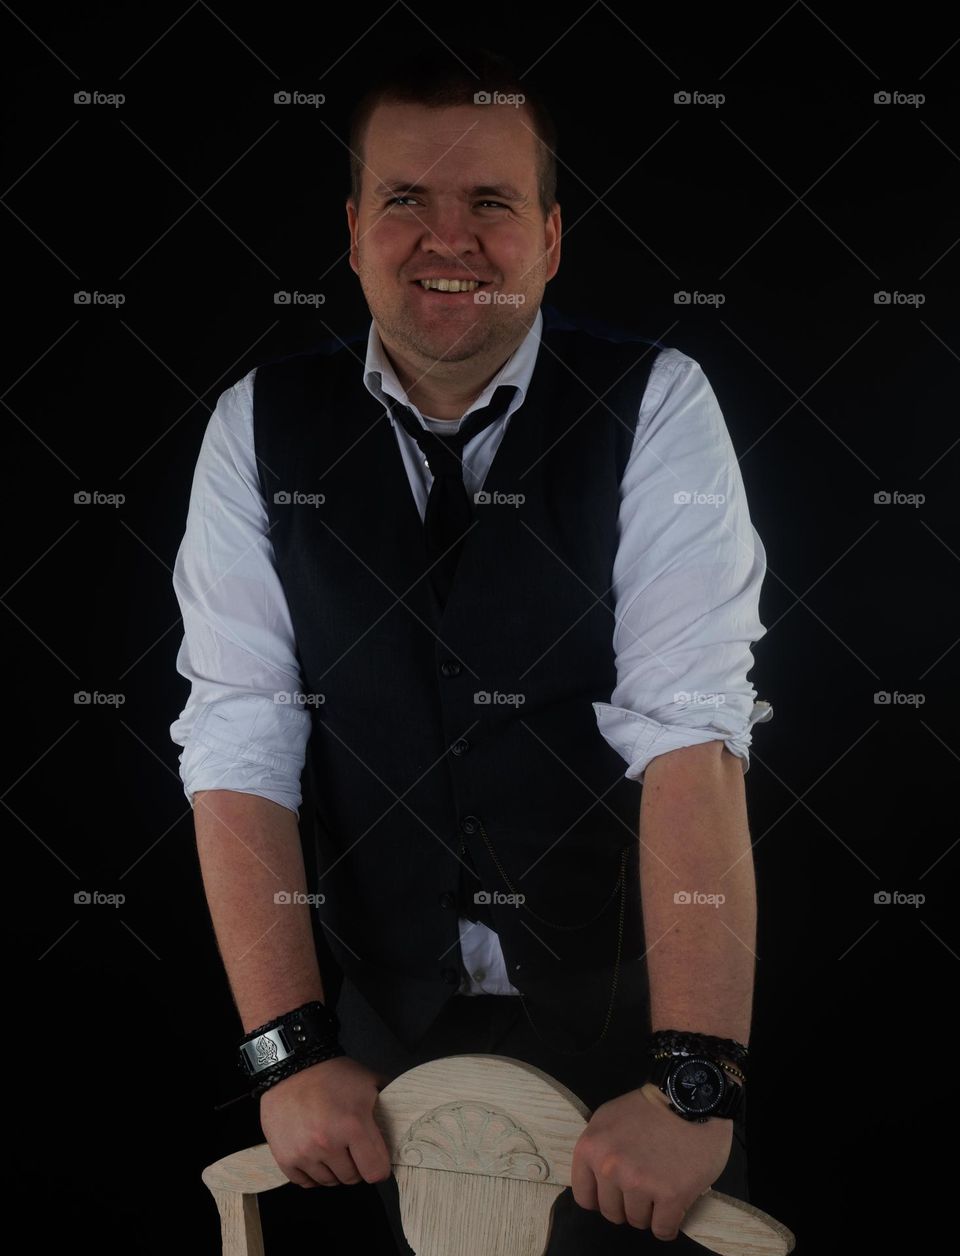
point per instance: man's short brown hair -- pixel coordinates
(439, 77)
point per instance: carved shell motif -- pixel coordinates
(474, 1138)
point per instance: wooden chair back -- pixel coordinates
(481, 1146)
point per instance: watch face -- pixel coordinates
(696, 1085)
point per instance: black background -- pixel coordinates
(798, 198)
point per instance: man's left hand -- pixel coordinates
(639, 1162)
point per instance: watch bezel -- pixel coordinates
(682, 1061)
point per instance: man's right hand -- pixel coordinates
(320, 1127)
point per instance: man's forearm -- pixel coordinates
(249, 849)
(694, 838)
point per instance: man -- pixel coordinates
(578, 587)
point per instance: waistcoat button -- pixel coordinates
(461, 746)
(450, 667)
(469, 824)
(447, 899)
(450, 976)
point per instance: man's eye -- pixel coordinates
(395, 200)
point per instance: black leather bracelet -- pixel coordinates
(705, 1044)
(282, 1046)
(294, 1064)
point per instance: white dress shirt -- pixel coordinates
(686, 581)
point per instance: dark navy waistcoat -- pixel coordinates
(469, 730)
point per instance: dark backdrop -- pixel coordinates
(798, 198)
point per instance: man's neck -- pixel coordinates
(447, 390)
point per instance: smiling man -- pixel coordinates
(453, 195)
(485, 574)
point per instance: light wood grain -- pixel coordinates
(481, 1145)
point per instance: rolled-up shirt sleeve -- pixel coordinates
(242, 727)
(687, 579)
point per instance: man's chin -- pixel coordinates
(450, 341)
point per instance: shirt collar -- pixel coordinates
(381, 381)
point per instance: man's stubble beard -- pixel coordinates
(488, 335)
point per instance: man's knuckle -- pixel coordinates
(635, 1180)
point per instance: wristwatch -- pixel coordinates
(296, 1033)
(697, 1086)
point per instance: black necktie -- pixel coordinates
(449, 513)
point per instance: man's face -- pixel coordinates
(475, 215)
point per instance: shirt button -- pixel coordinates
(450, 667)
(461, 746)
(479, 975)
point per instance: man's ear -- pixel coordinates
(553, 228)
(353, 224)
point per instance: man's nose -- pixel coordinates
(449, 231)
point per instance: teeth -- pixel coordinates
(450, 285)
